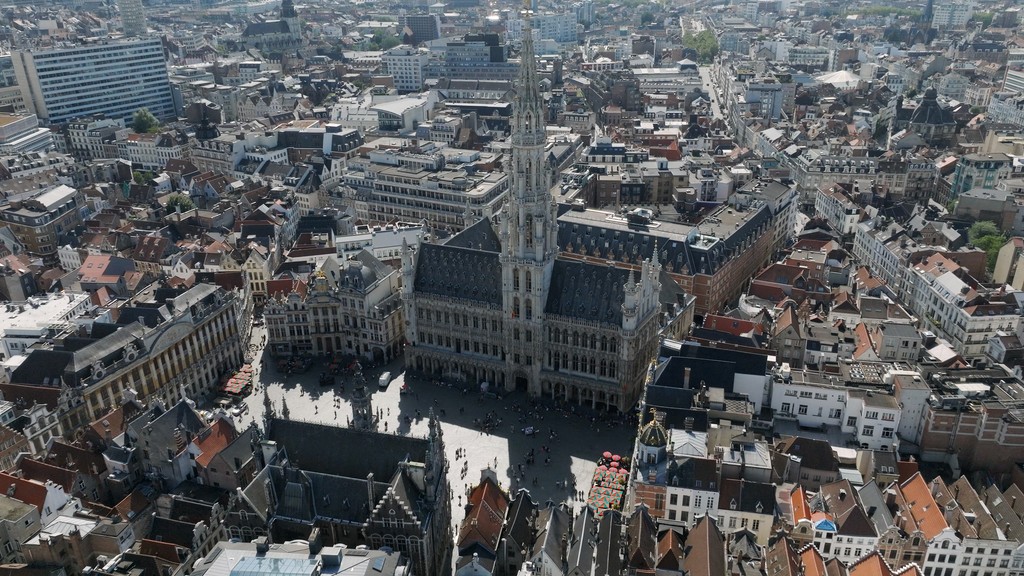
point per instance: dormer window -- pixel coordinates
(732, 504)
(759, 508)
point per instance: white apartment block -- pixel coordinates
(152, 151)
(871, 246)
(954, 306)
(558, 27)
(405, 65)
(841, 212)
(952, 15)
(813, 400)
(68, 82)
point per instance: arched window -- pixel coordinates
(575, 362)
(604, 368)
(515, 279)
(515, 307)
(529, 309)
(604, 343)
(575, 338)
(614, 345)
(529, 281)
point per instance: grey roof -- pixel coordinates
(305, 495)
(159, 426)
(518, 526)
(464, 273)
(553, 527)
(587, 291)
(581, 551)
(268, 27)
(931, 112)
(875, 504)
(480, 236)
(304, 442)
(607, 559)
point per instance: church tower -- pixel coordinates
(528, 229)
(291, 17)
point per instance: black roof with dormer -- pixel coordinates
(587, 291)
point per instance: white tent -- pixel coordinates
(843, 79)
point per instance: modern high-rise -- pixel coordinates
(133, 17)
(110, 77)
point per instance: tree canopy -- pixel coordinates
(987, 236)
(181, 201)
(144, 121)
(705, 44)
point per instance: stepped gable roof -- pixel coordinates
(457, 272)
(587, 291)
(519, 520)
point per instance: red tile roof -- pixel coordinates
(27, 491)
(211, 441)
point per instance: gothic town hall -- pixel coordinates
(499, 303)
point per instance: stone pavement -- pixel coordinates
(578, 441)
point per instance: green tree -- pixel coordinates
(705, 44)
(646, 18)
(144, 121)
(179, 201)
(983, 18)
(982, 228)
(987, 236)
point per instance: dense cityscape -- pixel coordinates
(600, 288)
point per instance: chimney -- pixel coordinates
(686, 378)
(371, 498)
(688, 424)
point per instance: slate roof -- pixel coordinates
(464, 273)
(268, 27)
(587, 291)
(642, 537)
(173, 531)
(745, 363)
(479, 236)
(519, 520)
(607, 559)
(581, 549)
(554, 525)
(748, 495)
(814, 454)
(304, 443)
(158, 427)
